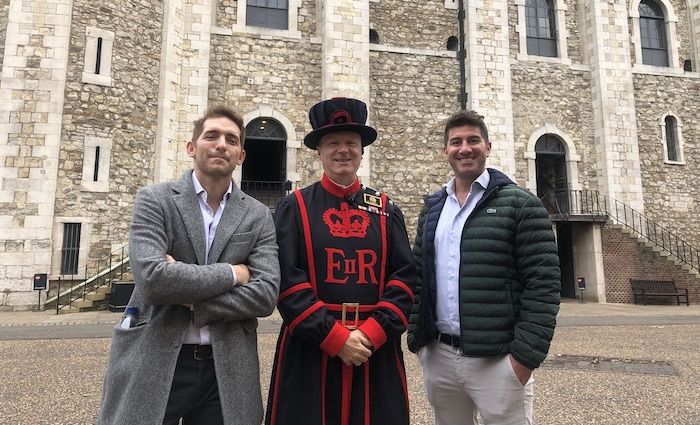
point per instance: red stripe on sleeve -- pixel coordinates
(306, 313)
(374, 332)
(335, 339)
(403, 286)
(395, 309)
(296, 288)
(307, 238)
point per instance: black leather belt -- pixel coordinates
(451, 340)
(196, 351)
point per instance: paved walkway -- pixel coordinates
(608, 375)
(572, 313)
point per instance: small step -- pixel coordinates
(107, 289)
(67, 309)
(79, 304)
(96, 296)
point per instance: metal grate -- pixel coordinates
(70, 249)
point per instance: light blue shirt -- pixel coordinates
(211, 221)
(448, 238)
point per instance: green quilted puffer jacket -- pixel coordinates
(509, 277)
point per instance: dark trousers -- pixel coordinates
(194, 395)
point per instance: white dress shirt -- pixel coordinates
(448, 238)
(195, 335)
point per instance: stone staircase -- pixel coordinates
(92, 293)
(659, 251)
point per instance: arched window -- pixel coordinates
(552, 181)
(264, 172)
(453, 43)
(672, 145)
(268, 14)
(373, 37)
(541, 28)
(652, 31)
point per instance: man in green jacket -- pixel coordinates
(488, 287)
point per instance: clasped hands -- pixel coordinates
(240, 270)
(356, 350)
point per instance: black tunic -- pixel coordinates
(355, 243)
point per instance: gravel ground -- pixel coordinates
(59, 381)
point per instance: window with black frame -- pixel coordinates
(672, 145)
(541, 28)
(268, 13)
(652, 30)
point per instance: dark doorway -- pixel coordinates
(552, 182)
(566, 260)
(265, 167)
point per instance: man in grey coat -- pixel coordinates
(204, 259)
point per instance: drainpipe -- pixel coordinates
(462, 58)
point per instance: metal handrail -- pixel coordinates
(95, 275)
(594, 203)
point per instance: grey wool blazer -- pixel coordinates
(167, 220)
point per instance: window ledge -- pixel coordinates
(535, 58)
(92, 186)
(666, 161)
(269, 32)
(97, 79)
(663, 70)
(412, 51)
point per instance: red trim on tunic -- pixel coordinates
(403, 286)
(306, 313)
(296, 288)
(402, 375)
(367, 386)
(382, 225)
(395, 309)
(337, 190)
(307, 238)
(273, 416)
(374, 331)
(347, 392)
(335, 339)
(324, 372)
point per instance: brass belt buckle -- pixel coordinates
(343, 315)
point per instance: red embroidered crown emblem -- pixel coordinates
(346, 223)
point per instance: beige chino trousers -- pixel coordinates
(461, 388)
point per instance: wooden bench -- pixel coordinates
(645, 290)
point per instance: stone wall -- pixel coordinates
(545, 93)
(683, 31)
(126, 113)
(672, 195)
(250, 71)
(639, 263)
(412, 96)
(4, 11)
(423, 25)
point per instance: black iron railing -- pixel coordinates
(89, 278)
(266, 192)
(592, 202)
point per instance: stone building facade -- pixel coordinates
(98, 99)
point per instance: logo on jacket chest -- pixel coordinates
(359, 264)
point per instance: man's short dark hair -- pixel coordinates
(217, 112)
(463, 118)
